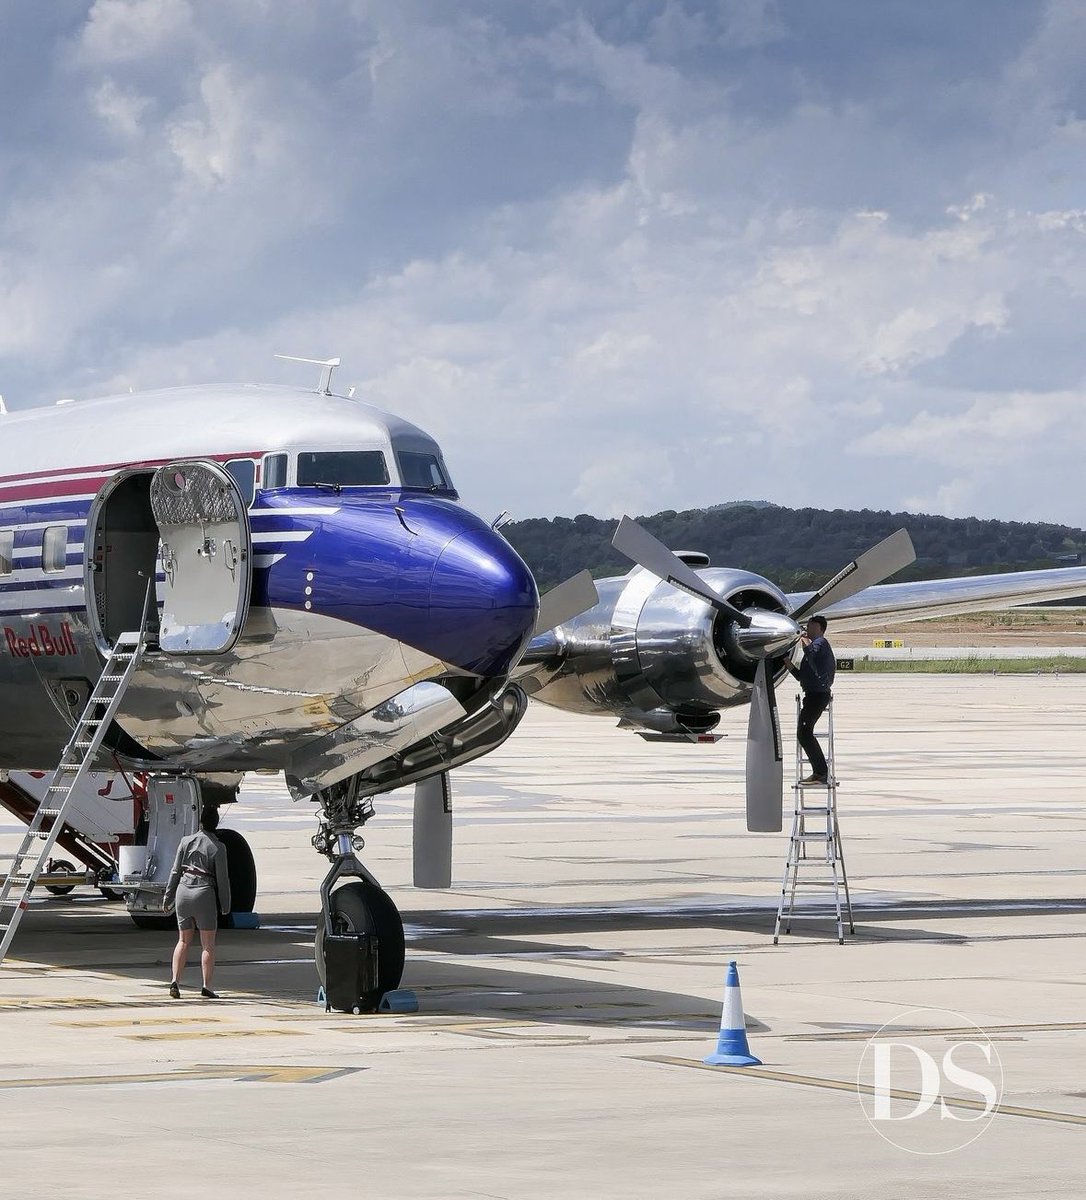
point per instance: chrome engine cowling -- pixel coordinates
(659, 658)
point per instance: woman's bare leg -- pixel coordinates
(207, 955)
(181, 952)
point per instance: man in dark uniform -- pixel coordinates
(815, 674)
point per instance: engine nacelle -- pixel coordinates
(658, 658)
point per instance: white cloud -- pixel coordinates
(121, 111)
(120, 31)
(621, 260)
(626, 481)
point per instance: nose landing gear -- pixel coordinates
(361, 906)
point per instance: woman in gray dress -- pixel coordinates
(199, 887)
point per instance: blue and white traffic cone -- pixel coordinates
(731, 1047)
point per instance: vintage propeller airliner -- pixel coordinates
(311, 598)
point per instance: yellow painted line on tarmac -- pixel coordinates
(842, 1085)
(35, 1004)
(128, 1022)
(184, 1035)
(241, 1074)
(46, 1003)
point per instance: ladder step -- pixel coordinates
(27, 865)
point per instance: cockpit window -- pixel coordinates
(244, 473)
(342, 468)
(422, 470)
(275, 472)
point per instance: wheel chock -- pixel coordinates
(402, 1000)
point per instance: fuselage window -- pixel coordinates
(342, 468)
(422, 470)
(244, 472)
(7, 548)
(54, 548)
(275, 472)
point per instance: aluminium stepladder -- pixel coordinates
(78, 757)
(814, 823)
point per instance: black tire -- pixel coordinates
(111, 893)
(60, 864)
(359, 907)
(155, 921)
(241, 867)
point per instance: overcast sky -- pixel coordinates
(617, 255)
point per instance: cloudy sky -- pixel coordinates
(617, 255)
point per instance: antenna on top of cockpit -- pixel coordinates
(3, 407)
(328, 365)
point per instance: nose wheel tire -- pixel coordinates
(359, 907)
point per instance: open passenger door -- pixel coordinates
(206, 557)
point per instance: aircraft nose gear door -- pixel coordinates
(206, 556)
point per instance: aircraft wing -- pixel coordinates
(943, 597)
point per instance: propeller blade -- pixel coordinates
(568, 600)
(432, 832)
(873, 566)
(765, 758)
(638, 544)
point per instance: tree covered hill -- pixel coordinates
(797, 548)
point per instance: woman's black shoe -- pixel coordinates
(175, 991)
(208, 994)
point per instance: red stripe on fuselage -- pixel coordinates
(54, 489)
(55, 483)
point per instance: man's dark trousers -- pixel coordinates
(813, 706)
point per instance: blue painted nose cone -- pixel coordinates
(484, 600)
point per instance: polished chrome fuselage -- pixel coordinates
(359, 595)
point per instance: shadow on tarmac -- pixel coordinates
(493, 962)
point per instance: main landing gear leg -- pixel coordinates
(361, 906)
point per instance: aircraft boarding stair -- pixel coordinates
(48, 821)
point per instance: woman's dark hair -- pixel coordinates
(209, 819)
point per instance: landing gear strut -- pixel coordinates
(362, 906)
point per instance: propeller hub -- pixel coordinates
(767, 635)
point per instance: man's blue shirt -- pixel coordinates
(818, 667)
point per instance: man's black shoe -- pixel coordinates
(820, 780)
